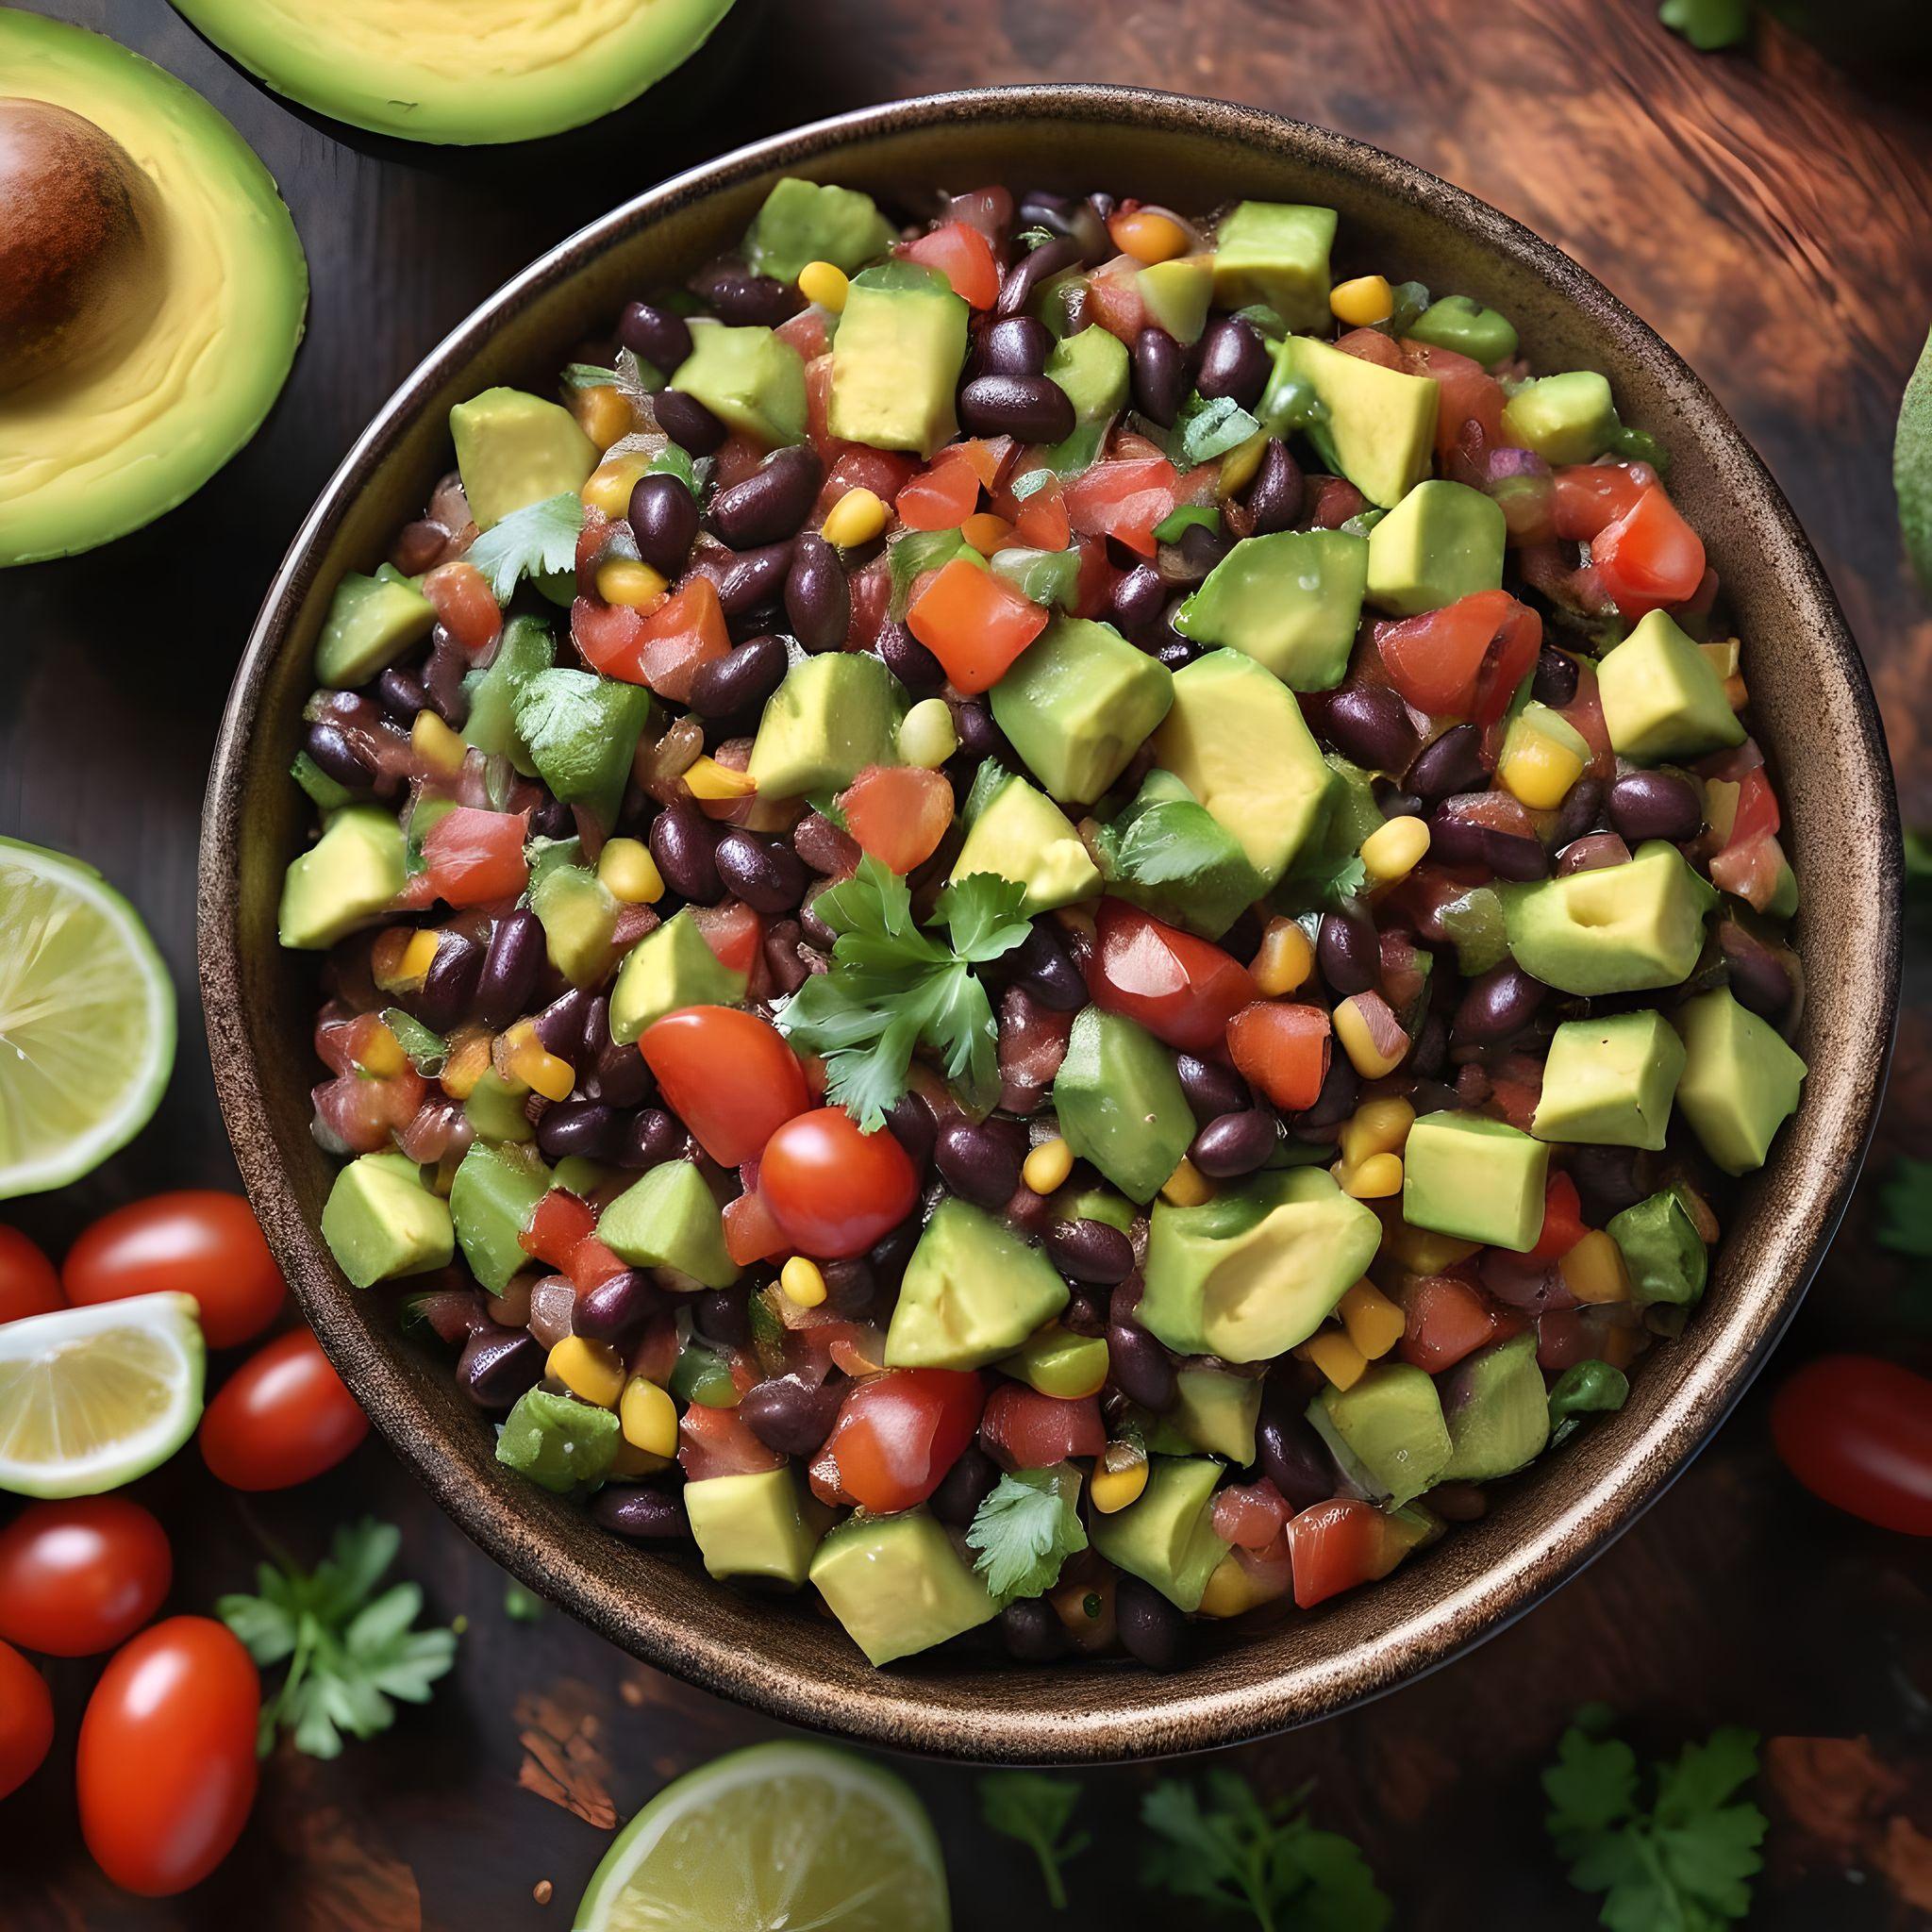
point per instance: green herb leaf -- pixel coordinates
(1036, 1809)
(914, 554)
(589, 375)
(1906, 1200)
(427, 1051)
(1208, 426)
(1319, 879)
(1026, 1529)
(529, 542)
(1030, 239)
(673, 460)
(1707, 24)
(983, 914)
(1172, 839)
(1911, 466)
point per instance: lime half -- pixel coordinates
(87, 1020)
(781, 1838)
(92, 1397)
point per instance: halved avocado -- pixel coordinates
(455, 73)
(151, 290)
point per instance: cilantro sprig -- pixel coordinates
(536, 541)
(1027, 1528)
(1037, 1810)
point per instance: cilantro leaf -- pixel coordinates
(1208, 426)
(1036, 1809)
(1707, 24)
(1026, 1529)
(589, 375)
(983, 914)
(1323, 880)
(1906, 1199)
(533, 542)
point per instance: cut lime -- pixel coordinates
(781, 1838)
(87, 1020)
(92, 1397)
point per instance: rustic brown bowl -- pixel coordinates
(1813, 707)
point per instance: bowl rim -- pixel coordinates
(889, 1710)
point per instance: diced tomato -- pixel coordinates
(1024, 1429)
(1283, 1048)
(733, 931)
(1562, 1340)
(897, 1435)
(685, 631)
(1564, 1224)
(833, 1190)
(1467, 395)
(941, 498)
(884, 472)
(717, 1442)
(805, 332)
(964, 256)
(559, 1220)
(1250, 1515)
(1589, 496)
(1339, 1544)
(1094, 587)
(1650, 557)
(987, 456)
(1515, 1087)
(1464, 660)
(1370, 345)
(1039, 521)
(975, 624)
(727, 1074)
(1583, 713)
(871, 599)
(611, 637)
(466, 604)
(1183, 990)
(898, 813)
(986, 532)
(1445, 1318)
(474, 857)
(654, 1355)
(1125, 499)
(1757, 814)
(1752, 871)
(750, 1232)
(1113, 299)
(735, 457)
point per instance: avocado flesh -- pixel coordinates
(1176, 295)
(896, 360)
(1565, 419)
(561, 1443)
(370, 623)
(381, 1221)
(667, 969)
(1275, 253)
(898, 1583)
(1016, 832)
(1169, 855)
(496, 1110)
(1496, 1409)
(1664, 1254)
(1291, 601)
(1441, 543)
(578, 914)
(1390, 1423)
(831, 718)
(752, 1525)
(1120, 1102)
(1052, 1362)
(1662, 697)
(490, 1202)
(670, 1219)
(345, 880)
(1610, 1081)
(1092, 367)
(802, 222)
(1476, 1178)
(514, 449)
(1380, 422)
(1214, 1413)
(1619, 928)
(1741, 1081)
(1166, 1536)
(750, 378)
(972, 1292)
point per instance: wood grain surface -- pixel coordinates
(1768, 215)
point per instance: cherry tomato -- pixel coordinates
(964, 256)
(898, 813)
(283, 1417)
(473, 857)
(81, 1576)
(833, 1190)
(1180, 987)
(1445, 1318)
(1338, 1544)
(1650, 557)
(897, 1435)
(28, 1284)
(1590, 496)
(728, 1076)
(166, 1767)
(200, 1241)
(1024, 1429)
(27, 1719)
(1464, 660)
(975, 624)
(1857, 1432)
(1125, 498)
(1283, 1048)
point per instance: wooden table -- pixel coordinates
(1770, 216)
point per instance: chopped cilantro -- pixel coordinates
(533, 542)
(1026, 1529)
(1206, 427)
(1036, 1809)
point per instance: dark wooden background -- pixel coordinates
(1769, 213)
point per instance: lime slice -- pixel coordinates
(87, 1020)
(92, 1397)
(781, 1838)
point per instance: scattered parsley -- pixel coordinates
(1322, 880)
(534, 542)
(1030, 239)
(673, 460)
(428, 1050)
(1026, 1529)
(349, 1652)
(1685, 1859)
(522, 1606)
(1206, 427)
(1036, 1809)
(1906, 1200)
(1707, 24)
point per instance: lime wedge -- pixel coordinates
(781, 1838)
(92, 1397)
(87, 1020)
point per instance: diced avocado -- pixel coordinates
(1057, 1363)
(1237, 739)
(896, 360)
(802, 221)
(578, 914)
(1457, 322)
(370, 623)
(346, 880)
(1478, 1179)
(1497, 1412)
(490, 1201)
(514, 449)
(1610, 1081)
(1291, 600)
(1013, 829)
(1564, 419)
(492, 726)
(1214, 1413)
(578, 1174)
(1078, 703)
(753, 1525)
(1120, 1102)
(561, 1443)
(582, 732)
(1664, 1254)
(380, 1221)
(750, 380)
(1443, 541)
(1390, 1422)
(1092, 367)
(1094, 1203)
(497, 1108)
(1257, 1270)
(1176, 295)
(1166, 1536)
(973, 1292)
(670, 968)
(1741, 1081)
(1618, 928)
(1168, 853)
(898, 1583)
(1277, 253)
(1349, 816)
(833, 716)
(324, 793)
(670, 1219)
(1662, 697)
(1380, 422)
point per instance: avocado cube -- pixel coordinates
(1291, 600)
(582, 731)
(1015, 830)
(1478, 1179)
(1443, 541)
(1460, 322)
(514, 449)
(1120, 1102)
(345, 880)
(973, 1291)
(670, 1219)
(1388, 1429)
(492, 693)
(831, 718)
(370, 623)
(1564, 419)
(752, 1525)
(896, 360)
(802, 221)
(898, 1583)
(1619, 928)
(1237, 739)
(497, 1108)
(1256, 1271)
(1662, 697)
(1275, 253)
(578, 1174)
(1214, 1413)
(578, 914)
(1496, 1409)
(1094, 1203)
(1052, 1362)
(667, 969)
(1166, 852)
(1664, 1254)
(1176, 295)
(1166, 1536)
(381, 1221)
(496, 1191)
(561, 1443)
(1610, 1081)
(1380, 422)
(1741, 1081)
(750, 378)
(1078, 703)
(1092, 367)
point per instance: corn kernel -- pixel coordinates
(1594, 1271)
(636, 586)
(382, 1056)
(1240, 465)
(1374, 1323)
(1111, 1490)
(1187, 1186)
(1363, 302)
(1377, 1127)
(648, 1418)
(436, 745)
(1149, 237)
(419, 956)
(629, 872)
(592, 1371)
(1537, 771)
(1231, 1590)
(603, 413)
(527, 1058)
(1394, 849)
(612, 482)
(707, 778)
(803, 1281)
(631, 1462)
(1352, 1028)
(1725, 655)
(1378, 1178)
(469, 1060)
(825, 283)
(1284, 960)
(1335, 1356)
(928, 737)
(1420, 1250)
(856, 518)
(1047, 1166)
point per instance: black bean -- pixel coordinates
(336, 752)
(818, 598)
(1391, 801)
(1555, 677)
(1430, 1054)
(1032, 1631)
(688, 423)
(1211, 1089)
(638, 1509)
(772, 503)
(737, 296)
(401, 695)
(1274, 499)
(1160, 375)
(1759, 979)
(722, 1315)
(561, 1026)
(1656, 805)
(1140, 1367)
(657, 335)
(649, 1138)
(1090, 1251)
(810, 924)
(1499, 1004)
(1457, 840)
(685, 844)
(1347, 952)
(1139, 597)
(979, 736)
(792, 1415)
(890, 1254)
(1045, 968)
(1084, 1314)
(739, 681)
(1289, 1451)
(619, 1077)
(851, 1287)
(1608, 1179)
(510, 964)
(766, 873)
(553, 819)
(1448, 764)
(1189, 558)
(498, 1364)
(1039, 265)
(1176, 652)
(1581, 811)
(755, 579)
(1149, 1625)
(909, 1122)
(576, 1126)
(1015, 346)
(1234, 362)
(1032, 408)
(965, 1486)
(1513, 856)
(449, 988)
(663, 518)
(1342, 1087)
(1235, 1144)
(1069, 215)
(908, 660)
(1369, 724)
(617, 1306)
(980, 1161)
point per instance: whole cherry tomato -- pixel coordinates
(200, 1241)
(833, 1190)
(1180, 987)
(165, 1768)
(28, 1284)
(897, 1435)
(1857, 1432)
(283, 1417)
(728, 1076)
(81, 1576)
(27, 1719)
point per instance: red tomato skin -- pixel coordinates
(1180, 987)
(27, 1719)
(1564, 1224)
(474, 857)
(200, 1241)
(1649, 557)
(1284, 1049)
(1333, 1546)
(1024, 1429)
(165, 1768)
(28, 1284)
(1445, 1318)
(80, 1576)
(728, 1076)
(833, 1190)
(898, 1434)
(898, 813)
(1857, 1431)
(282, 1418)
